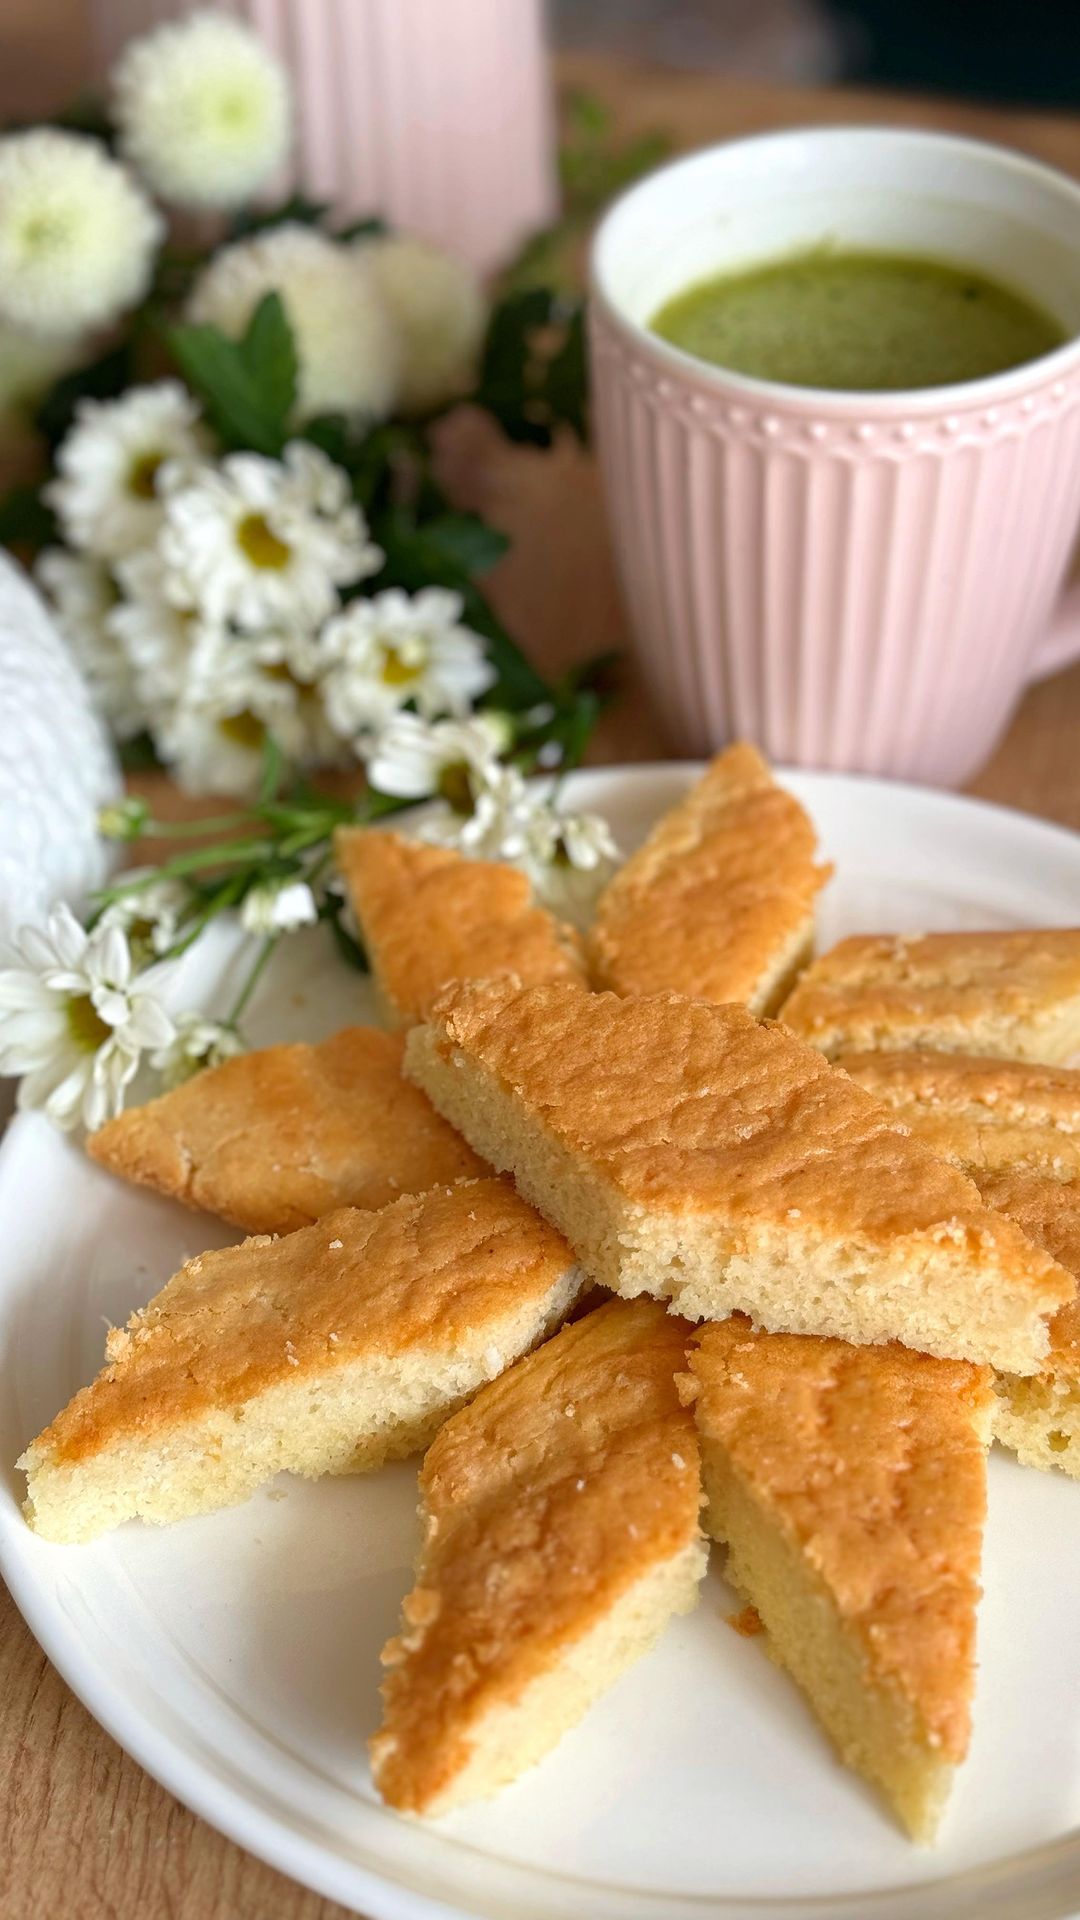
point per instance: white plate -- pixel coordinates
(236, 1656)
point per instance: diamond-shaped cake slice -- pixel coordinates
(1012, 995)
(719, 902)
(428, 916)
(1016, 1129)
(692, 1152)
(979, 1112)
(275, 1139)
(561, 1525)
(849, 1487)
(328, 1351)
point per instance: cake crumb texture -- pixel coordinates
(327, 1351)
(849, 1485)
(689, 1151)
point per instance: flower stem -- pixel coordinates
(265, 950)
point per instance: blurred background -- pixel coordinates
(1025, 51)
(1021, 51)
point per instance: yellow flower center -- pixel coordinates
(243, 730)
(142, 477)
(396, 671)
(257, 539)
(455, 788)
(85, 1024)
(45, 232)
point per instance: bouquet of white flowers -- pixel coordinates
(245, 539)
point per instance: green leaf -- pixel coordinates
(297, 210)
(25, 520)
(371, 228)
(467, 540)
(270, 349)
(139, 754)
(247, 386)
(331, 909)
(507, 387)
(566, 389)
(102, 379)
(533, 375)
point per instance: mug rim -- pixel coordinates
(987, 390)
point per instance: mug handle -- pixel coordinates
(1060, 644)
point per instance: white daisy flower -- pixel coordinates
(110, 465)
(238, 689)
(497, 827)
(278, 906)
(439, 312)
(569, 857)
(197, 1043)
(83, 596)
(212, 753)
(77, 235)
(150, 916)
(395, 648)
(157, 638)
(203, 110)
(265, 542)
(74, 1020)
(452, 760)
(345, 340)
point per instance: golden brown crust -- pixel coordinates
(1009, 994)
(687, 1108)
(428, 917)
(720, 898)
(275, 1139)
(872, 1462)
(559, 1486)
(428, 1269)
(980, 1113)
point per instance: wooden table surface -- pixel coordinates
(84, 1833)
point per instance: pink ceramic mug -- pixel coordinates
(864, 581)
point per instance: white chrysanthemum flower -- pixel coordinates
(439, 312)
(77, 235)
(345, 341)
(265, 542)
(157, 638)
(110, 465)
(74, 1020)
(83, 595)
(395, 649)
(197, 1043)
(149, 915)
(203, 111)
(278, 907)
